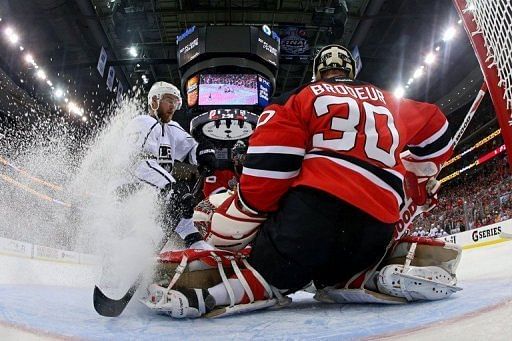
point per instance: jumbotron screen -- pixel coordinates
(228, 89)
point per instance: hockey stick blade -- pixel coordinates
(109, 307)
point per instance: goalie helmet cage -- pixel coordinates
(489, 27)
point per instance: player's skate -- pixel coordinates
(179, 271)
(416, 283)
(415, 269)
(179, 303)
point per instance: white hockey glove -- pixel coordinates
(232, 225)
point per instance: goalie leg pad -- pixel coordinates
(428, 252)
(416, 283)
(243, 287)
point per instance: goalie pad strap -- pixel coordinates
(243, 281)
(225, 281)
(254, 286)
(179, 270)
(200, 301)
(408, 259)
(260, 278)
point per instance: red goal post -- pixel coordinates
(489, 27)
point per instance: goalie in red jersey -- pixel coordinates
(321, 188)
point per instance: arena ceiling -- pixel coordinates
(393, 37)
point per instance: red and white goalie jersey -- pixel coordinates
(343, 137)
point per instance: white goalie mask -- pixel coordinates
(161, 88)
(333, 57)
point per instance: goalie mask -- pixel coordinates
(333, 57)
(161, 88)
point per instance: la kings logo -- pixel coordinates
(164, 153)
(165, 157)
(478, 235)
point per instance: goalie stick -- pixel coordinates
(410, 211)
(109, 307)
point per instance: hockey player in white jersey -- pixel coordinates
(158, 142)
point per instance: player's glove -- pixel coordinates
(420, 181)
(205, 155)
(422, 190)
(233, 224)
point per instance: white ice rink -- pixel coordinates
(41, 300)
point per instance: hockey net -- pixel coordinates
(489, 27)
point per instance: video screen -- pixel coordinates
(192, 91)
(228, 89)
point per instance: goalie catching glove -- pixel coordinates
(420, 181)
(226, 221)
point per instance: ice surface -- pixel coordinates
(56, 300)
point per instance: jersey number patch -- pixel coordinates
(348, 108)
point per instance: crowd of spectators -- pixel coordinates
(478, 197)
(241, 80)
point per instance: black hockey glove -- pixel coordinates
(178, 203)
(206, 160)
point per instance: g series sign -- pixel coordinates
(478, 235)
(481, 235)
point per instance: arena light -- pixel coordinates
(418, 73)
(399, 92)
(49, 82)
(430, 58)
(449, 33)
(84, 118)
(41, 74)
(29, 59)
(11, 35)
(438, 48)
(133, 51)
(58, 93)
(409, 82)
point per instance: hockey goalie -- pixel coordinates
(323, 182)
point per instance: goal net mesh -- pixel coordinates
(493, 19)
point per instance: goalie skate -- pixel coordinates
(416, 283)
(184, 276)
(331, 295)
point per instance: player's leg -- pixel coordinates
(361, 243)
(304, 237)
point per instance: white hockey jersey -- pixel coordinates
(157, 146)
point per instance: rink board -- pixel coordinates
(485, 275)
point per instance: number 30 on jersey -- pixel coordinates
(349, 109)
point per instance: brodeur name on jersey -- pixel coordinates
(343, 137)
